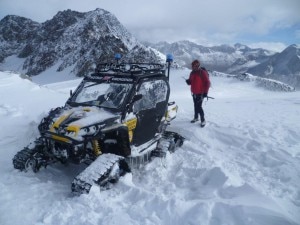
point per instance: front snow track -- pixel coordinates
(25, 160)
(107, 168)
(104, 171)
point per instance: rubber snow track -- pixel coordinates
(22, 157)
(96, 172)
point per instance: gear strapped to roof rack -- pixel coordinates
(131, 68)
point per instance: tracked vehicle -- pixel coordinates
(114, 121)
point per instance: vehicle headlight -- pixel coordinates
(86, 130)
(89, 130)
(95, 128)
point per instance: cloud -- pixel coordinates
(214, 21)
(273, 46)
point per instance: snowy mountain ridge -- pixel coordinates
(284, 66)
(239, 59)
(219, 58)
(70, 39)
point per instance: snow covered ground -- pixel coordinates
(243, 168)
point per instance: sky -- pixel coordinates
(242, 168)
(272, 24)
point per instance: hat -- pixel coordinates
(196, 63)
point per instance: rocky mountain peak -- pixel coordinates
(69, 40)
(239, 46)
(62, 20)
(292, 49)
(16, 28)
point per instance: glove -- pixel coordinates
(204, 95)
(188, 82)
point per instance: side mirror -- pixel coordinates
(137, 97)
(134, 99)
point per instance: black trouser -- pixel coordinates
(198, 99)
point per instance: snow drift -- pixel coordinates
(241, 169)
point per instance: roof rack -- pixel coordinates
(131, 68)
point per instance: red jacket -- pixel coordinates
(199, 81)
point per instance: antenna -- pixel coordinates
(169, 61)
(118, 56)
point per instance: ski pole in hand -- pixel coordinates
(186, 80)
(207, 97)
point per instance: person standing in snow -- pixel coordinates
(199, 82)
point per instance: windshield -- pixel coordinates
(110, 95)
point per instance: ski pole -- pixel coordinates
(207, 97)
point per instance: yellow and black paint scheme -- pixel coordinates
(71, 128)
(131, 124)
(171, 112)
(96, 147)
(110, 136)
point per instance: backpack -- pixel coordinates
(203, 68)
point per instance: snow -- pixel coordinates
(51, 75)
(13, 63)
(243, 168)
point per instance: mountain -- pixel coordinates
(238, 59)
(220, 58)
(77, 42)
(15, 31)
(281, 66)
(69, 40)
